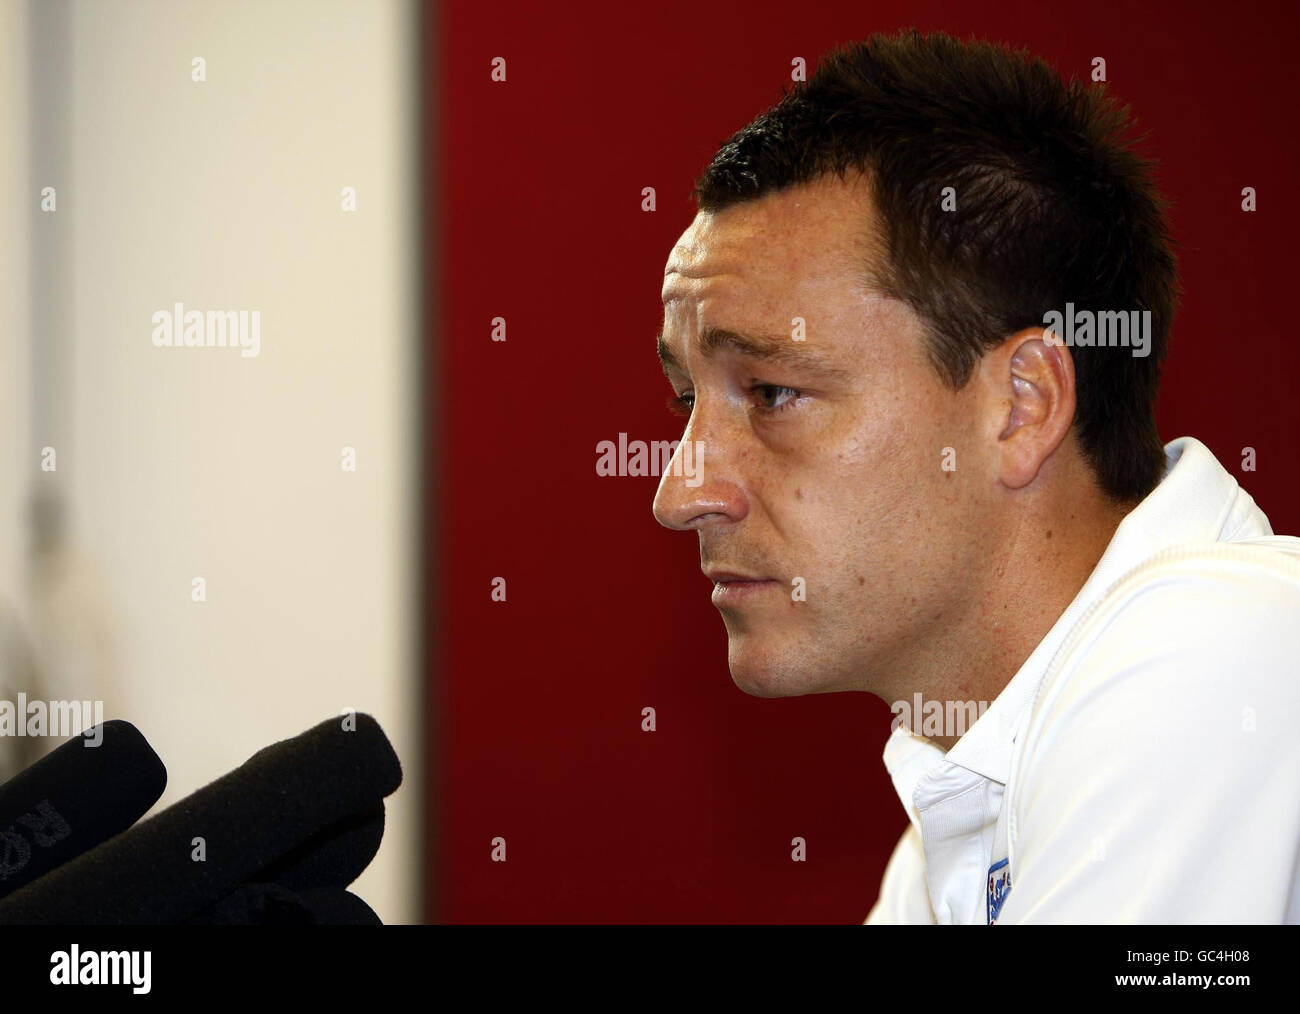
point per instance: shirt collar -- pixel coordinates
(1197, 500)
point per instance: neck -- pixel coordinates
(1043, 560)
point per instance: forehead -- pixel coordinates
(800, 248)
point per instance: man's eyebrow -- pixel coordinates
(782, 351)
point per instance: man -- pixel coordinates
(916, 328)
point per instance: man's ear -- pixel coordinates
(1030, 381)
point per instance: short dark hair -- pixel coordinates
(1053, 205)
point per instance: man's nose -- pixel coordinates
(698, 488)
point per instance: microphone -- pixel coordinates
(74, 798)
(306, 886)
(302, 792)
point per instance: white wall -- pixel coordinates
(185, 463)
(15, 213)
(17, 463)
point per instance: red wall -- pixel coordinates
(535, 703)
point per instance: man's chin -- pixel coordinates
(763, 664)
(761, 674)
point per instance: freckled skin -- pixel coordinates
(909, 567)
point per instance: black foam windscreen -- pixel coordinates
(335, 856)
(274, 905)
(195, 853)
(80, 794)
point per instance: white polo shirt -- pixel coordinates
(1143, 765)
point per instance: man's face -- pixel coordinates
(822, 457)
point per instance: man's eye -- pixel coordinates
(682, 405)
(774, 392)
(771, 398)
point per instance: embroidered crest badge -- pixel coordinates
(999, 886)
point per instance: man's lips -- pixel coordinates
(732, 586)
